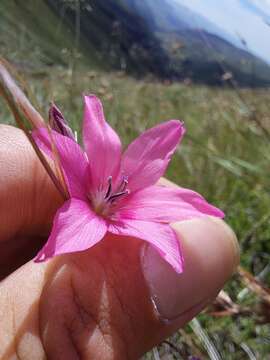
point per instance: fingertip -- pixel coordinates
(211, 255)
(212, 242)
(230, 236)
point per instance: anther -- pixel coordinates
(115, 196)
(124, 185)
(109, 190)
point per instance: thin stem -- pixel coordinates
(16, 99)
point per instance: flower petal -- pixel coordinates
(73, 160)
(165, 204)
(101, 142)
(75, 228)
(161, 236)
(147, 157)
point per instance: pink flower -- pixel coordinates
(117, 192)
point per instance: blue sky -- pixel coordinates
(249, 19)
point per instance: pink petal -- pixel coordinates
(102, 144)
(146, 158)
(164, 204)
(161, 236)
(73, 160)
(75, 228)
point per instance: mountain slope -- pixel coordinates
(122, 37)
(207, 58)
(151, 36)
(130, 35)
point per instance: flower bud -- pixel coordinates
(58, 122)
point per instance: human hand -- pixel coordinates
(114, 301)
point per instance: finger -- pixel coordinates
(28, 197)
(116, 300)
(28, 200)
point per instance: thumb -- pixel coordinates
(116, 300)
(28, 200)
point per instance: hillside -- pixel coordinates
(126, 35)
(142, 37)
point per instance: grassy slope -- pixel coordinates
(33, 36)
(224, 156)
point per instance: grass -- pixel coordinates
(225, 156)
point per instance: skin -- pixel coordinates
(94, 304)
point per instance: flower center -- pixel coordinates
(104, 200)
(121, 190)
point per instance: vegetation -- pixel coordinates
(225, 156)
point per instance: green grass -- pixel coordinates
(225, 155)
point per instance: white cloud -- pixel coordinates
(263, 5)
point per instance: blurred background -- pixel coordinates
(205, 62)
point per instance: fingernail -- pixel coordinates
(210, 254)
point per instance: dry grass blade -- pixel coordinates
(18, 98)
(27, 119)
(156, 354)
(224, 306)
(255, 285)
(248, 351)
(205, 340)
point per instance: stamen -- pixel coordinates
(113, 197)
(109, 190)
(124, 184)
